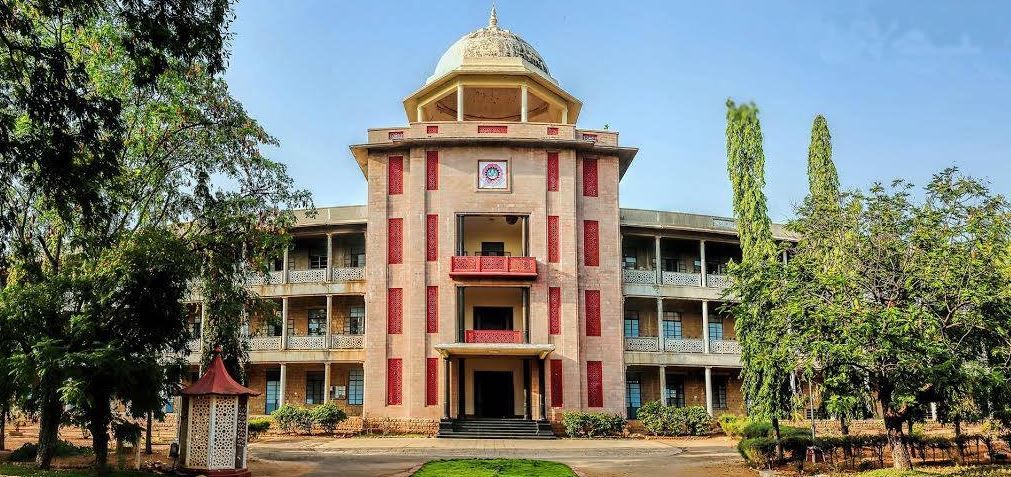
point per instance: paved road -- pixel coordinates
(399, 457)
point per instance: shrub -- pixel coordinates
(592, 424)
(293, 419)
(756, 429)
(663, 420)
(697, 420)
(758, 451)
(328, 416)
(731, 424)
(258, 426)
(27, 452)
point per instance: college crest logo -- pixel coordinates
(493, 175)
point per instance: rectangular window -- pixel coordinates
(720, 393)
(317, 259)
(675, 391)
(273, 390)
(553, 252)
(554, 310)
(396, 175)
(431, 381)
(355, 322)
(395, 241)
(592, 304)
(553, 171)
(356, 386)
(313, 388)
(633, 395)
(631, 324)
(591, 243)
(432, 170)
(355, 257)
(594, 384)
(556, 383)
(715, 328)
(394, 311)
(589, 177)
(317, 321)
(432, 310)
(672, 325)
(394, 381)
(629, 261)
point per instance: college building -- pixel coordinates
(492, 273)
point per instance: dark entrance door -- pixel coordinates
(493, 394)
(493, 318)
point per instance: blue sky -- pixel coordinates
(908, 87)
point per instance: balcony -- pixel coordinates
(316, 259)
(681, 279)
(347, 341)
(684, 345)
(306, 342)
(493, 336)
(493, 266)
(264, 343)
(642, 343)
(725, 347)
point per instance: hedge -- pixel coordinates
(592, 424)
(661, 420)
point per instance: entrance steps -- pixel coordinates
(486, 428)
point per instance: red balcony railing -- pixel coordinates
(493, 336)
(493, 266)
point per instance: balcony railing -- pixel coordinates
(672, 345)
(725, 347)
(347, 341)
(314, 275)
(271, 278)
(493, 266)
(262, 343)
(681, 279)
(643, 277)
(642, 343)
(347, 274)
(717, 281)
(306, 342)
(493, 336)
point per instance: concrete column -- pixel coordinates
(329, 257)
(657, 261)
(526, 315)
(523, 103)
(283, 387)
(565, 115)
(705, 326)
(709, 390)
(661, 339)
(203, 324)
(329, 320)
(284, 267)
(461, 392)
(326, 381)
(527, 391)
(459, 102)
(702, 260)
(663, 385)
(542, 388)
(420, 117)
(446, 385)
(284, 323)
(933, 411)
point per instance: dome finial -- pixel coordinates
(493, 19)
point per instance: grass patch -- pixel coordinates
(979, 471)
(493, 468)
(30, 471)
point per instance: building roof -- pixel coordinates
(216, 380)
(489, 42)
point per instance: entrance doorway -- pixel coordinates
(493, 394)
(273, 390)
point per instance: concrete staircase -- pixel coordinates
(495, 429)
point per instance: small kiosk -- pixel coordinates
(213, 424)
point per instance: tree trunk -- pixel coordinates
(50, 415)
(909, 433)
(778, 435)
(3, 425)
(898, 442)
(844, 429)
(959, 450)
(99, 419)
(147, 434)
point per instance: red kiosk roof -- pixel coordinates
(216, 380)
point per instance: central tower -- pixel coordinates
(494, 290)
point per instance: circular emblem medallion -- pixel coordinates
(492, 173)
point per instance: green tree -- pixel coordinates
(823, 180)
(766, 356)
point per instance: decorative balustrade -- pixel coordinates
(493, 336)
(347, 341)
(316, 275)
(725, 347)
(271, 278)
(642, 343)
(717, 281)
(684, 345)
(262, 343)
(681, 279)
(193, 346)
(644, 277)
(347, 274)
(493, 266)
(306, 342)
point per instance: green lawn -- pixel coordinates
(493, 468)
(30, 471)
(981, 471)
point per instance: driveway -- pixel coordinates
(370, 457)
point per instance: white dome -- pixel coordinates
(489, 42)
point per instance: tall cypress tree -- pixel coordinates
(766, 353)
(822, 177)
